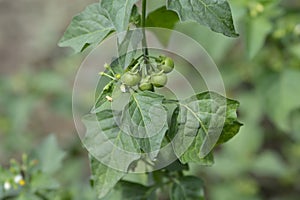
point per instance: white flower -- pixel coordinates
(7, 185)
(110, 99)
(123, 88)
(18, 178)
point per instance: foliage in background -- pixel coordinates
(260, 163)
(36, 176)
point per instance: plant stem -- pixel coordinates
(144, 41)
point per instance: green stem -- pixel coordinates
(144, 42)
(107, 75)
(139, 57)
(135, 66)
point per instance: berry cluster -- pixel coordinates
(144, 73)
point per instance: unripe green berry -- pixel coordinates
(131, 78)
(159, 80)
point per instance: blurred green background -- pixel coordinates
(261, 69)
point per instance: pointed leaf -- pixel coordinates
(119, 12)
(214, 14)
(107, 142)
(145, 117)
(232, 125)
(50, 155)
(189, 155)
(203, 121)
(257, 30)
(90, 27)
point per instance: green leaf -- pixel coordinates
(145, 117)
(192, 155)
(126, 190)
(162, 18)
(187, 188)
(135, 16)
(41, 181)
(128, 47)
(282, 98)
(107, 142)
(94, 24)
(174, 124)
(50, 155)
(107, 87)
(214, 14)
(104, 177)
(119, 12)
(89, 27)
(114, 148)
(257, 30)
(101, 101)
(177, 166)
(232, 125)
(203, 121)
(189, 155)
